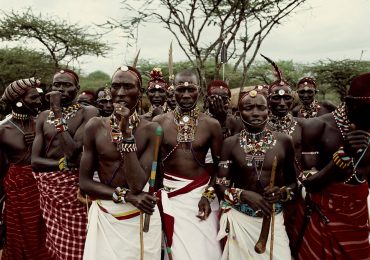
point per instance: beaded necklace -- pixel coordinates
(342, 121)
(311, 110)
(115, 132)
(67, 113)
(186, 123)
(19, 116)
(284, 124)
(255, 145)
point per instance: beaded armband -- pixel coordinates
(286, 194)
(223, 181)
(232, 195)
(63, 164)
(341, 160)
(311, 153)
(209, 194)
(126, 147)
(119, 195)
(60, 125)
(224, 164)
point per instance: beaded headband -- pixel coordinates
(71, 74)
(127, 69)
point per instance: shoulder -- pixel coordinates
(327, 105)
(313, 128)
(209, 120)
(282, 137)
(163, 117)
(43, 115)
(95, 122)
(231, 140)
(90, 110)
(148, 126)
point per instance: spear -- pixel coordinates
(134, 64)
(223, 59)
(171, 76)
(158, 133)
(260, 246)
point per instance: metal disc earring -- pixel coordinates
(19, 104)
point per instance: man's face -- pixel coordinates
(358, 112)
(67, 86)
(223, 93)
(32, 101)
(171, 100)
(280, 100)
(306, 93)
(186, 91)
(254, 111)
(105, 106)
(125, 89)
(157, 96)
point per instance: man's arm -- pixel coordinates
(88, 165)
(38, 161)
(137, 170)
(216, 143)
(70, 147)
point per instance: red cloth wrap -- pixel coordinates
(346, 236)
(65, 216)
(25, 228)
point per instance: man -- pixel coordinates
(25, 228)
(307, 90)
(86, 98)
(157, 93)
(218, 99)
(56, 154)
(245, 171)
(336, 160)
(190, 222)
(171, 100)
(104, 101)
(120, 148)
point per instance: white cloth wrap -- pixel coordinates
(243, 235)
(111, 238)
(192, 238)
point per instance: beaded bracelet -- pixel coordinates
(232, 195)
(60, 125)
(119, 195)
(288, 194)
(341, 159)
(209, 193)
(63, 164)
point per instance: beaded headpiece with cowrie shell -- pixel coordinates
(104, 95)
(156, 80)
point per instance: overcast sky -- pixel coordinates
(335, 29)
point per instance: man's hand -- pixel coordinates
(157, 111)
(122, 113)
(217, 107)
(29, 137)
(256, 202)
(272, 195)
(356, 141)
(143, 201)
(54, 97)
(204, 208)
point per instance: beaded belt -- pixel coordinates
(246, 209)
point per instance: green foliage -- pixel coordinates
(94, 80)
(63, 41)
(18, 63)
(337, 75)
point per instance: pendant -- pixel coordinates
(185, 119)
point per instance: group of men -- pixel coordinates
(180, 182)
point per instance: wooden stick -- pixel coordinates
(260, 246)
(141, 237)
(272, 232)
(158, 133)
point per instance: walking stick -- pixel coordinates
(260, 246)
(141, 237)
(158, 133)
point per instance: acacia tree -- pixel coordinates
(201, 27)
(63, 41)
(339, 74)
